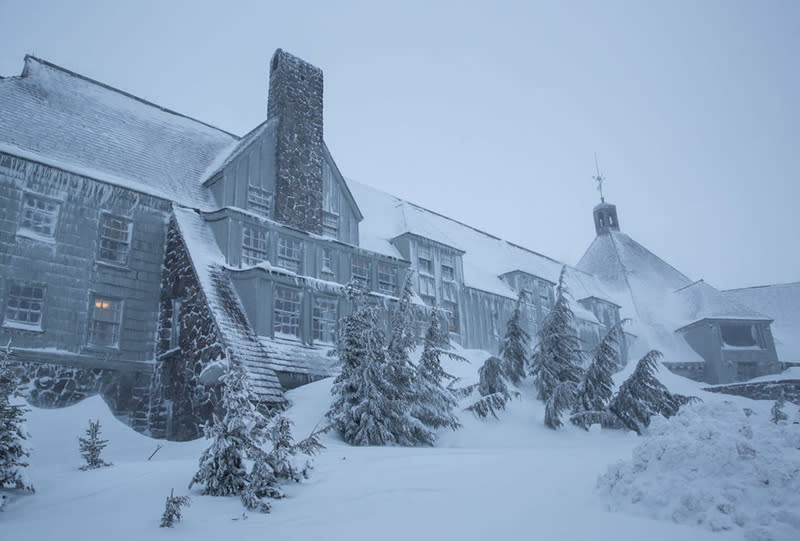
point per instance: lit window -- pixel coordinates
(105, 321)
(287, 312)
(290, 252)
(387, 279)
(323, 321)
(115, 239)
(361, 270)
(24, 304)
(451, 309)
(259, 199)
(330, 224)
(254, 246)
(39, 215)
(327, 263)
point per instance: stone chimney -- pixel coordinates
(295, 99)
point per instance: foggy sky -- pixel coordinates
(491, 112)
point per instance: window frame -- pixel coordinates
(249, 254)
(327, 268)
(387, 278)
(14, 323)
(116, 326)
(289, 318)
(259, 200)
(453, 321)
(123, 262)
(29, 230)
(357, 263)
(329, 229)
(318, 331)
(293, 263)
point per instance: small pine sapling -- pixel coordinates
(595, 390)
(514, 348)
(493, 388)
(557, 356)
(13, 451)
(172, 509)
(641, 396)
(776, 412)
(91, 446)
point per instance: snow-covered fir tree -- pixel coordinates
(13, 449)
(777, 415)
(514, 348)
(597, 386)
(238, 435)
(641, 396)
(172, 509)
(494, 389)
(373, 395)
(434, 402)
(92, 446)
(403, 333)
(557, 361)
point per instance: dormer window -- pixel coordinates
(330, 225)
(259, 200)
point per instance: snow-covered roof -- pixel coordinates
(485, 257)
(235, 149)
(699, 301)
(57, 117)
(225, 305)
(781, 302)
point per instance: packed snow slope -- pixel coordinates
(505, 479)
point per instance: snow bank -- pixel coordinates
(716, 465)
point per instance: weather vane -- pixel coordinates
(598, 179)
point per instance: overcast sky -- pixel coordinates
(491, 112)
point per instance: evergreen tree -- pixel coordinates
(595, 390)
(172, 509)
(372, 397)
(434, 402)
(237, 436)
(514, 349)
(13, 452)
(403, 332)
(493, 388)
(557, 357)
(641, 396)
(777, 413)
(91, 446)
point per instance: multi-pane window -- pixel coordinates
(451, 309)
(39, 215)
(387, 279)
(259, 199)
(105, 321)
(425, 262)
(254, 246)
(361, 270)
(323, 320)
(427, 288)
(115, 239)
(330, 224)
(290, 253)
(448, 268)
(24, 304)
(327, 264)
(286, 317)
(449, 292)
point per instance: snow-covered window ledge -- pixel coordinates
(30, 234)
(16, 325)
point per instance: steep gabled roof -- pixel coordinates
(57, 117)
(226, 307)
(700, 301)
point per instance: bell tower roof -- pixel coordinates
(605, 214)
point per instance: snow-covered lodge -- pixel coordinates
(138, 245)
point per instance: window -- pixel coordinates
(259, 199)
(387, 279)
(287, 312)
(24, 305)
(323, 320)
(105, 320)
(330, 224)
(427, 289)
(448, 273)
(451, 309)
(425, 261)
(115, 239)
(449, 292)
(39, 215)
(254, 246)
(290, 252)
(327, 264)
(739, 335)
(361, 270)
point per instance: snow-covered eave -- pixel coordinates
(601, 299)
(90, 174)
(92, 360)
(727, 319)
(459, 251)
(523, 271)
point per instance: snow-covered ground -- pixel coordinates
(506, 479)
